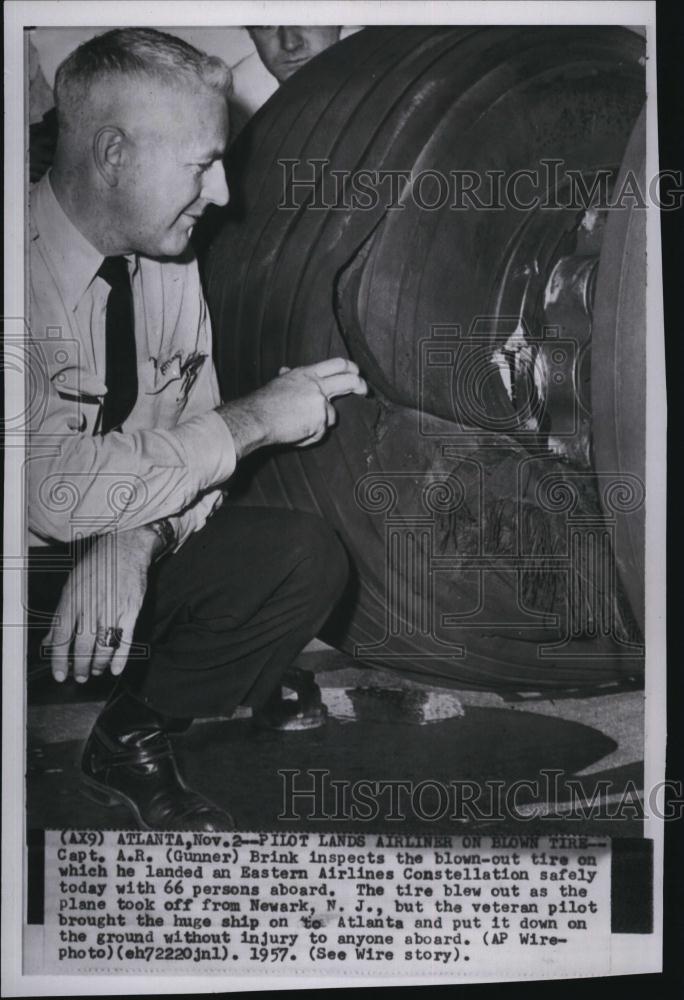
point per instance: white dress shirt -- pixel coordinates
(173, 448)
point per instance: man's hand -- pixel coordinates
(295, 408)
(104, 592)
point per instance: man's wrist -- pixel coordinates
(165, 535)
(247, 430)
(152, 540)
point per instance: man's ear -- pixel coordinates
(109, 153)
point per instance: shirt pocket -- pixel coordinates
(81, 394)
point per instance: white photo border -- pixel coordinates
(632, 954)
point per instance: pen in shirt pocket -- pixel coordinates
(83, 388)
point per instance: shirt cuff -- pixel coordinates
(195, 517)
(209, 447)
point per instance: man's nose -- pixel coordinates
(291, 38)
(215, 186)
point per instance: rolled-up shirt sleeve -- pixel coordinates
(90, 484)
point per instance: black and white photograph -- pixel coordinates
(334, 543)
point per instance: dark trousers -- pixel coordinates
(226, 615)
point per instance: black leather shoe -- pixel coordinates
(128, 760)
(306, 711)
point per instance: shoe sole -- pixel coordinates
(105, 796)
(110, 797)
(293, 723)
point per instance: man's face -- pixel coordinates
(283, 50)
(173, 167)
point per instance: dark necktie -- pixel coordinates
(121, 375)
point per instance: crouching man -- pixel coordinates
(205, 608)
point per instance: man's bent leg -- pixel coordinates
(224, 618)
(229, 612)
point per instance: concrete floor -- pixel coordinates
(381, 727)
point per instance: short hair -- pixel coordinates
(134, 52)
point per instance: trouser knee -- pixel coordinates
(322, 564)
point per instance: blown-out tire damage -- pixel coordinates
(482, 556)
